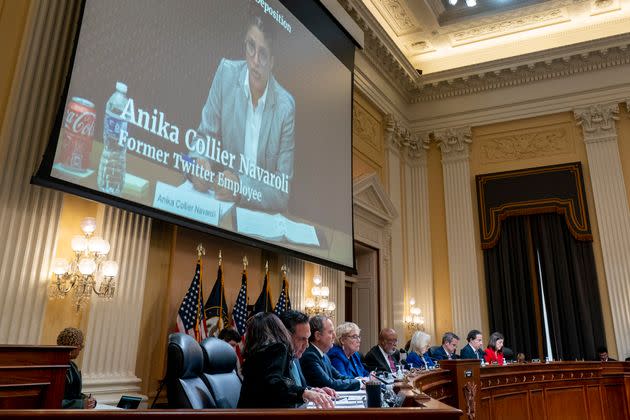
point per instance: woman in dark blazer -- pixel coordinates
(344, 355)
(267, 380)
(72, 395)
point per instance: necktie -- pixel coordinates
(295, 373)
(392, 365)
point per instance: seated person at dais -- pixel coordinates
(72, 395)
(472, 350)
(315, 363)
(418, 356)
(602, 352)
(384, 357)
(494, 351)
(267, 381)
(296, 323)
(344, 355)
(232, 337)
(447, 350)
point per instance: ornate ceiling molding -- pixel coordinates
(598, 122)
(546, 65)
(382, 52)
(398, 16)
(509, 26)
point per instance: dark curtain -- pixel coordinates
(509, 288)
(571, 292)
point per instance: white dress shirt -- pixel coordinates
(253, 121)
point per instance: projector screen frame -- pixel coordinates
(43, 176)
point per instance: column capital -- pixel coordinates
(410, 146)
(454, 143)
(598, 121)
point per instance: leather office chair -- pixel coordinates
(184, 368)
(432, 351)
(219, 372)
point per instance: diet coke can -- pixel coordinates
(78, 134)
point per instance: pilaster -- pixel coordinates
(396, 138)
(611, 206)
(109, 363)
(416, 223)
(295, 277)
(29, 215)
(454, 144)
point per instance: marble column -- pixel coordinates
(109, 361)
(462, 258)
(611, 207)
(419, 269)
(29, 215)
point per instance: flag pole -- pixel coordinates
(201, 317)
(221, 326)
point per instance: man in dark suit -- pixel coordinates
(602, 352)
(316, 366)
(472, 350)
(297, 324)
(447, 350)
(384, 357)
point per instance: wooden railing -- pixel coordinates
(557, 390)
(32, 376)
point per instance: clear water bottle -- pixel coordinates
(113, 165)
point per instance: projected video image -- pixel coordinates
(228, 113)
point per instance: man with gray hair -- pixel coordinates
(447, 350)
(317, 368)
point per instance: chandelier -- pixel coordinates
(414, 320)
(87, 268)
(319, 303)
(469, 3)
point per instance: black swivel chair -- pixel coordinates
(508, 354)
(184, 368)
(432, 351)
(219, 372)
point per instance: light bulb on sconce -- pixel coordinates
(86, 268)
(319, 304)
(414, 319)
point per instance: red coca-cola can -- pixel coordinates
(77, 134)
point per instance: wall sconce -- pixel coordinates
(319, 303)
(86, 268)
(414, 320)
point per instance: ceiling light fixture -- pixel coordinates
(469, 3)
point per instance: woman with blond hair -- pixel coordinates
(344, 355)
(72, 395)
(418, 351)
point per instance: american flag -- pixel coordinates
(239, 313)
(284, 303)
(190, 317)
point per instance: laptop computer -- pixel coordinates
(127, 402)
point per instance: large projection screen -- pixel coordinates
(226, 116)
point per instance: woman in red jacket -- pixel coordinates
(494, 351)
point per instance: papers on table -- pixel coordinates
(275, 227)
(347, 399)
